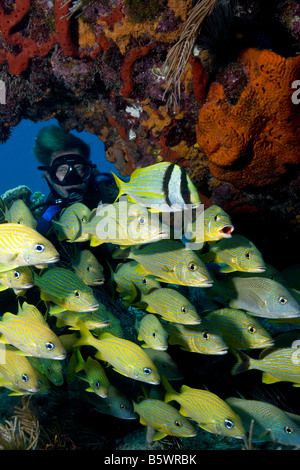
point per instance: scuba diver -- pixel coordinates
(70, 174)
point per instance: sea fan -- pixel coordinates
(179, 54)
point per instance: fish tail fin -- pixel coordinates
(170, 392)
(85, 335)
(243, 363)
(80, 362)
(119, 183)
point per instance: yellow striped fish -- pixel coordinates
(66, 290)
(164, 418)
(88, 268)
(172, 306)
(238, 329)
(210, 412)
(93, 320)
(17, 371)
(68, 224)
(270, 422)
(19, 213)
(202, 339)
(19, 278)
(126, 357)
(130, 281)
(164, 184)
(52, 369)
(22, 246)
(237, 253)
(169, 261)
(216, 225)
(151, 331)
(115, 326)
(279, 365)
(95, 375)
(124, 223)
(30, 333)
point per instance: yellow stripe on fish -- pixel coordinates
(169, 261)
(208, 410)
(66, 290)
(151, 331)
(172, 306)
(163, 184)
(18, 278)
(239, 329)
(164, 418)
(95, 375)
(31, 334)
(18, 371)
(19, 213)
(126, 357)
(279, 365)
(201, 339)
(237, 253)
(21, 246)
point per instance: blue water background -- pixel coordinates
(18, 165)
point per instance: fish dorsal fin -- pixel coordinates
(106, 335)
(8, 316)
(266, 352)
(30, 311)
(92, 214)
(185, 388)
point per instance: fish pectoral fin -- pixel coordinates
(159, 435)
(227, 269)
(4, 381)
(54, 309)
(89, 389)
(183, 412)
(268, 378)
(8, 266)
(94, 241)
(3, 287)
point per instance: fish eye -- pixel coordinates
(77, 293)
(49, 346)
(147, 371)
(288, 430)
(177, 423)
(25, 378)
(192, 267)
(216, 217)
(251, 329)
(142, 220)
(97, 384)
(205, 335)
(144, 281)
(123, 407)
(88, 269)
(228, 423)
(39, 247)
(183, 309)
(282, 300)
(247, 254)
(154, 334)
(16, 274)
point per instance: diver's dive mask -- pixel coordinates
(69, 170)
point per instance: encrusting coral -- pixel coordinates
(255, 141)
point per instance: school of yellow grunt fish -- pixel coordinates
(70, 336)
